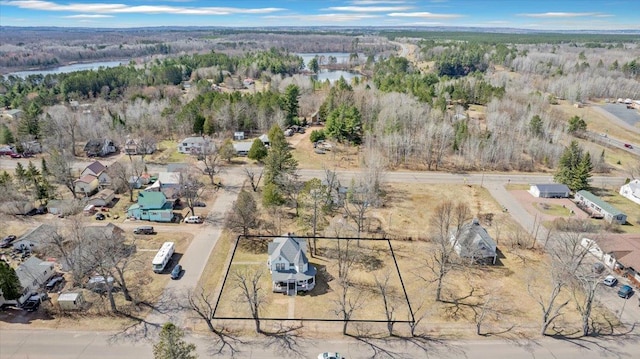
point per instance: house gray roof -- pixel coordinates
(30, 270)
(600, 203)
(242, 146)
(552, 187)
(107, 231)
(169, 178)
(290, 249)
(474, 241)
(194, 140)
(38, 236)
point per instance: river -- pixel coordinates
(322, 75)
(67, 68)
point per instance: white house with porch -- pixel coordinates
(289, 266)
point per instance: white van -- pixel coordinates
(193, 219)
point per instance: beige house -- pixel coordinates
(86, 185)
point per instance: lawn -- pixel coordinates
(553, 209)
(372, 259)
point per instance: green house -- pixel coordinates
(151, 206)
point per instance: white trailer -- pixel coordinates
(163, 256)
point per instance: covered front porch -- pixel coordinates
(292, 283)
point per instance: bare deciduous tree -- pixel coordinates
(550, 308)
(348, 301)
(61, 169)
(123, 175)
(191, 189)
(254, 176)
(202, 303)
(387, 296)
(251, 293)
(244, 214)
(211, 161)
(440, 261)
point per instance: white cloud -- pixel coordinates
(87, 16)
(107, 8)
(426, 15)
(368, 8)
(376, 2)
(561, 14)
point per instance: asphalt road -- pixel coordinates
(60, 344)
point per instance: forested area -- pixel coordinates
(23, 48)
(417, 117)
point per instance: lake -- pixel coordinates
(331, 75)
(68, 68)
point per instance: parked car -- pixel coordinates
(199, 204)
(31, 305)
(144, 230)
(329, 355)
(193, 219)
(177, 270)
(598, 267)
(99, 285)
(625, 291)
(6, 150)
(100, 216)
(15, 155)
(627, 145)
(610, 281)
(6, 241)
(54, 283)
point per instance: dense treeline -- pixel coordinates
(486, 37)
(397, 75)
(213, 112)
(111, 83)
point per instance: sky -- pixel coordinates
(523, 14)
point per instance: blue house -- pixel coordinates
(151, 206)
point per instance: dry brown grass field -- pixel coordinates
(503, 289)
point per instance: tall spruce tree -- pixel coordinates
(574, 168)
(279, 161)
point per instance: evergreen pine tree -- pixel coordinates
(9, 282)
(279, 160)
(172, 344)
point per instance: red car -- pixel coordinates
(628, 146)
(15, 155)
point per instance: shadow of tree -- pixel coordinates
(285, 340)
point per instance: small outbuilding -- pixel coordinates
(242, 148)
(71, 301)
(550, 190)
(103, 198)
